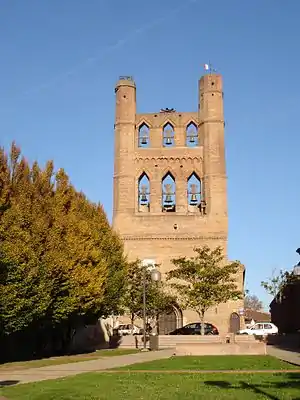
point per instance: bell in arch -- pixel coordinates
(168, 199)
(144, 198)
(144, 139)
(193, 193)
(168, 141)
(193, 200)
(192, 139)
(143, 194)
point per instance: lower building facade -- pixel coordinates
(160, 250)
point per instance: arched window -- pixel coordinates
(168, 135)
(192, 138)
(194, 199)
(144, 193)
(143, 135)
(168, 193)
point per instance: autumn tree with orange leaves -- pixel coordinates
(61, 265)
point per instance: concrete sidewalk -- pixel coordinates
(60, 371)
(292, 357)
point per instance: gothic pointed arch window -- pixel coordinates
(168, 193)
(168, 135)
(194, 198)
(144, 193)
(144, 135)
(192, 138)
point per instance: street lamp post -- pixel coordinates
(148, 265)
(144, 306)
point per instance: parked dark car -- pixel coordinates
(195, 329)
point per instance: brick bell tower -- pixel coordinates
(170, 185)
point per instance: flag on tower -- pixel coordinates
(209, 67)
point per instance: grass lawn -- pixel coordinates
(65, 359)
(137, 386)
(214, 363)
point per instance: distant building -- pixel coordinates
(252, 316)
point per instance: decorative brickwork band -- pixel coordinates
(172, 237)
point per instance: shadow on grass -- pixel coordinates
(8, 383)
(292, 381)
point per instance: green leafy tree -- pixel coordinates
(275, 284)
(161, 301)
(205, 280)
(23, 296)
(158, 300)
(61, 265)
(4, 182)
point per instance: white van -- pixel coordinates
(260, 329)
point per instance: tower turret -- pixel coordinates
(124, 145)
(125, 101)
(211, 121)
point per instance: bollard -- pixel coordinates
(154, 345)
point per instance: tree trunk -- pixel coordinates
(132, 318)
(202, 313)
(68, 333)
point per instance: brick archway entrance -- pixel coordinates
(235, 323)
(170, 321)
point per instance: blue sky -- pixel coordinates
(59, 62)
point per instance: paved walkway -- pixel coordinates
(292, 357)
(60, 371)
(204, 371)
